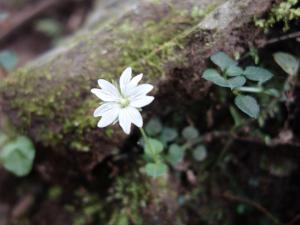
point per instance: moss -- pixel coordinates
(159, 41)
(135, 195)
(285, 12)
(128, 196)
(131, 194)
(156, 1)
(87, 207)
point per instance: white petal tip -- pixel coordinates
(100, 81)
(95, 91)
(151, 99)
(142, 102)
(95, 115)
(139, 125)
(126, 131)
(100, 125)
(127, 71)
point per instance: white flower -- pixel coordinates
(122, 103)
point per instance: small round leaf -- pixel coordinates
(248, 105)
(153, 147)
(156, 169)
(214, 76)
(17, 156)
(153, 127)
(8, 59)
(234, 70)
(258, 74)
(168, 134)
(236, 82)
(175, 154)
(222, 60)
(190, 133)
(200, 153)
(287, 62)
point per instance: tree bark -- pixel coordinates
(169, 41)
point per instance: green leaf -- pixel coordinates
(190, 133)
(241, 209)
(258, 74)
(156, 169)
(175, 154)
(153, 127)
(3, 139)
(8, 60)
(118, 218)
(168, 134)
(200, 153)
(238, 120)
(153, 147)
(254, 54)
(222, 60)
(50, 27)
(54, 192)
(17, 156)
(214, 76)
(272, 92)
(287, 62)
(236, 82)
(234, 70)
(248, 105)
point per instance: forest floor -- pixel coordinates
(244, 180)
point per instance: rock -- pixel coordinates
(169, 41)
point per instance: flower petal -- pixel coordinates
(135, 80)
(125, 79)
(102, 109)
(109, 87)
(139, 91)
(124, 120)
(135, 116)
(104, 95)
(141, 102)
(109, 117)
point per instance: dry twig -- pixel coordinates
(252, 203)
(20, 18)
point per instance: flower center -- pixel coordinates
(124, 102)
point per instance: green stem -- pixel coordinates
(269, 92)
(146, 140)
(144, 134)
(250, 89)
(190, 144)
